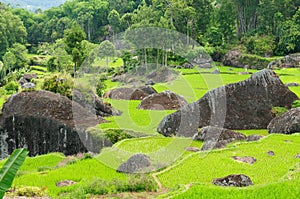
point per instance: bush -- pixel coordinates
(277, 110)
(100, 87)
(296, 104)
(12, 87)
(116, 135)
(59, 83)
(260, 45)
(28, 191)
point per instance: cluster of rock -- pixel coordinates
(46, 122)
(26, 81)
(239, 180)
(243, 105)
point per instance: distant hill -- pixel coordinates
(33, 5)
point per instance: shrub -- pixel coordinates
(12, 87)
(100, 87)
(59, 83)
(260, 45)
(296, 104)
(29, 191)
(116, 135)
(277, 110)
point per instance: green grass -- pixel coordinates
(206, 166)
(113, 63)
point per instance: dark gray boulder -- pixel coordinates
(239, 180)
(270, 153)
(243, 105)
(289, 61)
(94, 104)
(45, 122)
(135, 164)
(286, 123)
(166, 100)
(148, 89)
(215, 138)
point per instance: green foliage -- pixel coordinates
(52, 64)
(261, 45)
(59, 83)
(296, 104)
(11, 87)
(100, 87)
(279, 110)
(10, 169)
(116, 135)
(28, 191)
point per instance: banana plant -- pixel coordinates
(10, 169)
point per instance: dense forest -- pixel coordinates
(261, 27)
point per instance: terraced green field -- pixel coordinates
(183, 174)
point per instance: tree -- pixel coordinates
(114, 20)
(9, 61)
(106, 50)
(73, 39)
(18, 53)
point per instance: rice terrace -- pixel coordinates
(150, 99)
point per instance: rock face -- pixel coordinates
(286, 123)
(166, 100)
(215, 138)
(244, 105)
(289, 61)
(239, 180)
(95, 104)
(46, 122)
(135, 164)
(126, 94)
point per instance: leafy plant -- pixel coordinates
(278, 110)
(12, 87)
(9, 170)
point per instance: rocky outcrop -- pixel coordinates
(46, 122)
(126, 94)
(135, 164)
(289, 61)
(243, 105)
(286, 123)
(216, 138)
(232, 58)
(166, 100)
(94, 104)
(239, 180)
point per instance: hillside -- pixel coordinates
(33, 5)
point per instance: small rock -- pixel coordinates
(270, 153)
(252, 138)
(192, 149)
(230, 69)
(239, 180)
(65, 183)
(293, 84)
(243, 73)
(246, 159)
(297, 156)
(217, 71)
(28, 86)
(135, 163)
(150, 83)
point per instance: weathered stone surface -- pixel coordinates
(286, 123)
(289, 61)
(244, 105)
(239, 180)
(215, 138)
(148, 89)
(126, 94)
(252, 138)
(28, 86)
(135, 164)
(232, 58)
(46, 122)
(94, 104)
(65, 183)
(246, 159)
(166, 100)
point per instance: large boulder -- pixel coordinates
(243, 105)
(289, 61)
(239, 180)
(46, 122)
(166, 100)
(94, 104)
(136, 163)
(126, 94)
(232, 58)
(215, 138)
(286, 123)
